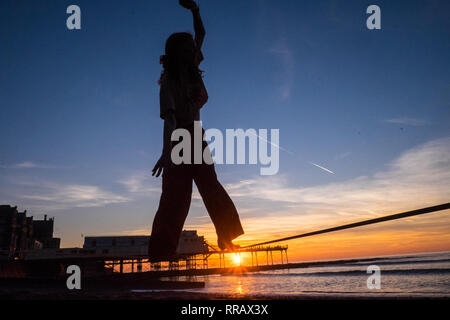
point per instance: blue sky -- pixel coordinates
(80, 113)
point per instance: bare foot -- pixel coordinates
(227, 245)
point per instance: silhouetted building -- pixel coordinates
(43, 232)
(15, 231)
(19, 233)
(189, 243)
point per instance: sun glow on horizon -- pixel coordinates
(237, 258)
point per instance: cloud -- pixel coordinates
(52, 196)
(343, 155)
(284, 53)
(407, 121)
(420, 177)
(141, 183)
(271, 27)
(27, 165)
(422, 172)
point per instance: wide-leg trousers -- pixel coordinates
(175, 202)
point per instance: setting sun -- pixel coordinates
(237, 258)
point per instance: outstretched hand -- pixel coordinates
(188, 4)
(161, 164)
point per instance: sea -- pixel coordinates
(415, 275)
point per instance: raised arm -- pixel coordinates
(198, 27)
(198, 23)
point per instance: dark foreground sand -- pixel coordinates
(52, 294)
(121, 287)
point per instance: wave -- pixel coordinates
(370, 293)
(383, 272)
(374, 261)
(436, 271)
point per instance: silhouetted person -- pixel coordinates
(182, 95)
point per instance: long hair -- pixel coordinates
(179, 58)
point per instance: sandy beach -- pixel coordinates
(163, 295)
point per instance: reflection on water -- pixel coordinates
(239, 289)
(422, 275)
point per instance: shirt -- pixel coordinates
(186, 99)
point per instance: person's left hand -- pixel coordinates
(161, 164)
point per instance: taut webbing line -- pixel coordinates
(416, 212)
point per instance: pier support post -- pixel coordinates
(139, 266)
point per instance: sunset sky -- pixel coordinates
(81, 130)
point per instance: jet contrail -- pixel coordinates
(291, 153)
(323, 168)
(275, 145)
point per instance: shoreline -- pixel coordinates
(158, 295)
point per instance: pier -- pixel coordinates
(200, 261)
(94, 264)
(116, 260)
